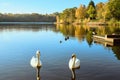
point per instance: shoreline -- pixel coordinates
(58, 23)
(89, 23)
(92, 23)
(24, 23)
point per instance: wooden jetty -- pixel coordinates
(97, 23)
(109, 39)
(104, 43)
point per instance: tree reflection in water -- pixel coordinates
(116, 50)
(89, 38)
(84, 31)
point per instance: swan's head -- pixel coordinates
(38, 53)
(73, 55)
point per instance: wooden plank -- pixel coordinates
(112, 36)
(110, 41)
(104, 38)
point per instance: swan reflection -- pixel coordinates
(38, 73)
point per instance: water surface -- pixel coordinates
(18, 43)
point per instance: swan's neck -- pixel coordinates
(73, 65)
(38, 57)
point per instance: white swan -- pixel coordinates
(74, 62)
(35, 61)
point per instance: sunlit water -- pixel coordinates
(18, 43)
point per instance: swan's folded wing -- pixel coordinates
(34, 62)
(70, 63)
(77, 63)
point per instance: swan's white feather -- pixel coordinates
(77, 63)
(34, 62)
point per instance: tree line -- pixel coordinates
(33, 17)
(100, 12)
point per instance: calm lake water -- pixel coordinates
(18, 43)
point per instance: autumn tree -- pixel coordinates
(80, 12)
(100, 10)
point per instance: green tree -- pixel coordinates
(65, 15)
(68, 15)
(114, 7)
(116, 50)
(106, 12)
(72, 14)
(34, 17)
(91, 3)
(91, 10)
(89, 38)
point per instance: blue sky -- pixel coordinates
(40, 6)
